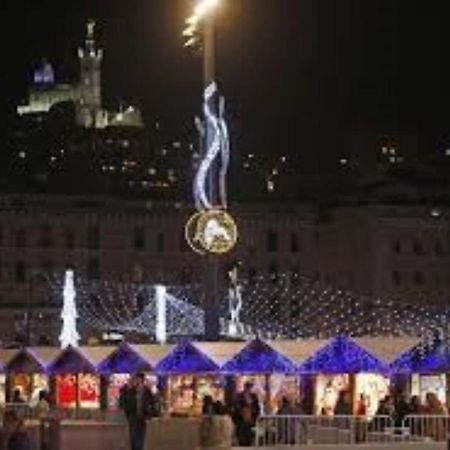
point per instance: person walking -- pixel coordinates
(138, 404)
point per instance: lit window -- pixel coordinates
(343, 161)
(393, 151)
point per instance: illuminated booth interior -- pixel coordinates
(190, 376)
(273, 375)
(343, 366)
(27, 376)
(118, 367)
(426, 369)
(77, 384)
(2, 387)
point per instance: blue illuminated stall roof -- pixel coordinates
(123, 360)
(185, 358)
(71, 361)
(25, 362)
(259, 357)
(341, 356)
(424, 361)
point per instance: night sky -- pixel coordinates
(300, 76)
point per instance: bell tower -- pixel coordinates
(90, 79)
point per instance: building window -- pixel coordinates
(45, 236)
(295, 248)
(418, 248)
(70, 239)
(21, 238)
(273, 271)
(93, 238)
(418, 278)
(93, 269)
(20, 273)
(160, 244)
(139, 238)
(396, 278)
(272, 241)
(438, 249)
(396, 247)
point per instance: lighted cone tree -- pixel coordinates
(69, 335)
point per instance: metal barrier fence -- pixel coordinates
(429, 427)
(310, 430)
(26, 412)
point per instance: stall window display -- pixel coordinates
(2, 389)
(422, 384)
(29, 386)
(370, 389)
(186, 392)
(328, 388)
(283, 386)
(118, 380)
(82, 390)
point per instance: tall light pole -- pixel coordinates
(214, 228)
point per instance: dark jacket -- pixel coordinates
(128, 403)
(253, 404)
(19, 440)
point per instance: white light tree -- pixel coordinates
(69, 335)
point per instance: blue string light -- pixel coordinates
(24, 362)
(123, 360)
(71, 361)
(259, 357)
(185, 358)
(341, 356)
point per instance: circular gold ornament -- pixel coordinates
(211, 231)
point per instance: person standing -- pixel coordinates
(139, 404)
(16, 437)
(246, 413)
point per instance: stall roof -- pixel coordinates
(152, 353)
(259, 357)
(124, 359)
(25, 361)
(298, 351)
(186, 358)
(436, 362)
(420, 359)
(5, 356)
(78, 360)
(387, 348)
(342, 355)
(220, 352)
(45, 355)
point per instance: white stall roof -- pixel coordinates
(387, 348)
(95, 354)
(220, 352)
(299, 350)
(6, 355)
(44, 355)
(152, 353)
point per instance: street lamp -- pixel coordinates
(203, 16)
(214, 230)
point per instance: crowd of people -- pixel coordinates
(139, 403)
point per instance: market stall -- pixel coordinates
(77, 382)
(343, 366)
(5, 356)
(272, 374)
(26, 377)
(190, 376)
(117, 369)
(427, 369)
